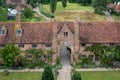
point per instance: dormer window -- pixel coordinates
(19, 32)
(3, 30)
(65, 33)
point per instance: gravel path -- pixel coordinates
(37, 9)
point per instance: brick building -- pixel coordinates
(55, 35)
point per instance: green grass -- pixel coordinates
(86, 13)
(22, 76)
(101, 75)
(70, 6)
(92, 75)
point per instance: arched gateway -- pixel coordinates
(65, 41)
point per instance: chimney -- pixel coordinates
(76, 31)
(18, 15)
(54, 41)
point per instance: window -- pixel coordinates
(34, 45)
(83, 56)
(29, 56)
(96, 57)
(21, 45)
(65, 33)
(111, 44)
(48, 45)
(83, 44)
(19, 32)
(3, 30)
(2, 45)
(39, 56)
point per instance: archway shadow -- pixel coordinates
(65, 55)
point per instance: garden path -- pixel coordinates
(64, 73)
(37, 9)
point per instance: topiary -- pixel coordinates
(76, 76)
(47, 74)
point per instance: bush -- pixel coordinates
(31, 65)
(28, 12)
(76, 76)
(48, 74)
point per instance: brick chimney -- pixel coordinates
(54, 41)
(76, 31)
(18, 15)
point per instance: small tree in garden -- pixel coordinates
(9, 53)
(47, 74)
(28, 12)
(76, 76)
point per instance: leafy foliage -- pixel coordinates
(39, 57)
(64, 3)
(53, 4)
(107, 54)
(100, 6)
(76, 76)
(48, 74)
(2, 2)
(84, 2)
(9, 53)
(28, 12)
(3, 14)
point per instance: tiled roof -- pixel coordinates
(90, 32)
(100, 32)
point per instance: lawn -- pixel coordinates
(70, 6)
(101, 75)
(85, 13)
(22, 76)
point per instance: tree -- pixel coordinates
(76, 76)
(84, 2)
(64, 3)
(28, 12)
(100, 6)
(72, 1)
(3, 14)
(53, 4)
(9, 53)
(2, 2)
(48, 73)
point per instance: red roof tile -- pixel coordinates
(90, 32)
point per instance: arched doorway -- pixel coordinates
(65, 53)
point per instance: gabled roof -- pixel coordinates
(42, 33)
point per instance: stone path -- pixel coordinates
(64, 73)
(98, 69)
(24, 70)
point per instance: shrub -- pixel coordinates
(28, 12)
(48, 74)
(76, 76)
(31, 65)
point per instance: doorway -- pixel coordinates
(65, 55)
